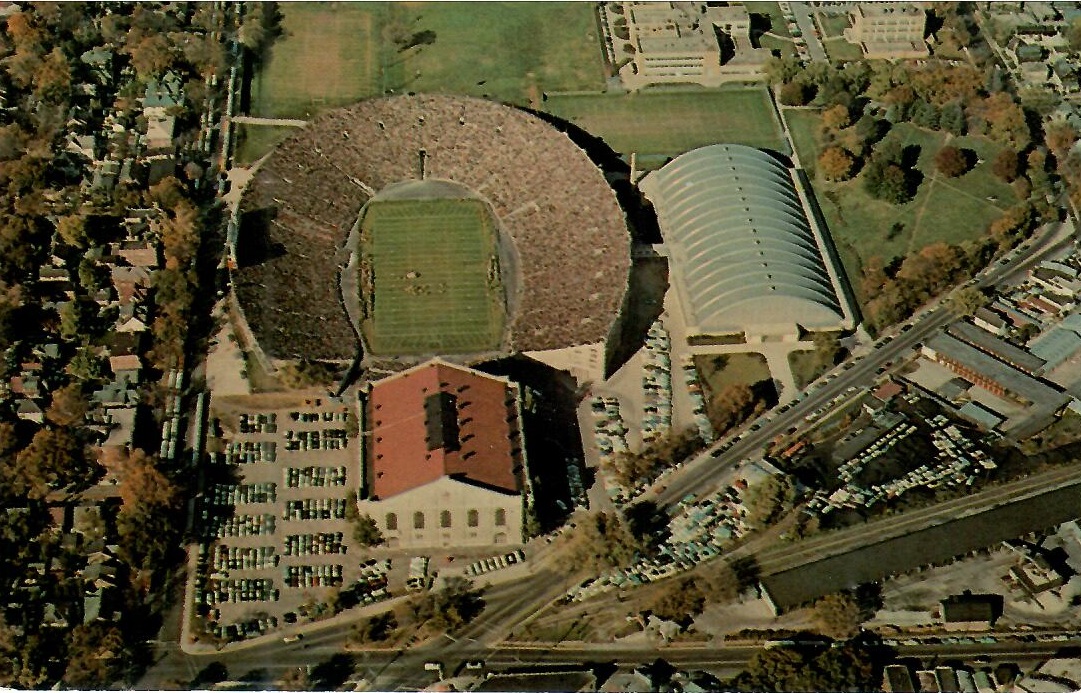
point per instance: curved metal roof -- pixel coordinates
(743, 248)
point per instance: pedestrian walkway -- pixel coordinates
(286, 122)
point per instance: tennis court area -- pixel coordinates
(432, 281)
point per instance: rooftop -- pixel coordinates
(438, 420)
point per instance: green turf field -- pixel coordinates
(327, 55)
(506, 51)
(949, 210)
(432, 287)
(330, 54)
(661, 124)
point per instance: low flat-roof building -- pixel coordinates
(444, 460)
(1060, 342)
(999, 348)
(993, 375)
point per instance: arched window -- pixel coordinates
(500, 517)
(473, 518)
(418, 520)
(444, 519)
(392, 521)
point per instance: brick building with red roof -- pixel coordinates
(444, 459)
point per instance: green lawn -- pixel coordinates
(507, 51)
(332, 54)
(718, 372)
(840, 50)
(832, 25)
(660, 124)
(943, 210)
(772, 10)
(328, 55)
(434, 283)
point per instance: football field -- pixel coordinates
(433, 277)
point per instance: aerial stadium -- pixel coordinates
(747, 256)
(431, 225)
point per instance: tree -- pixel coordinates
(1072, 32)
(768, 499)
(143, 487)
(796, 93)
(967, 301)
(295, 679)
(450, 608)
(887, 182)
(366, 531)
(150, 55)
(97, 657)
(1060, 138)
(803, 668)
(678, 600)
(377, 628)
(838, 615)
(951, 161)
(599, 542)
(827, 349)
(1006, 165)
(836, 118)
(54, 459)
(836, 164)
(68, 406)
(952, 118)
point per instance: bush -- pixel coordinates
(796, 94)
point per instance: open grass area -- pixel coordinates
(806, 367)
(433, 277)
(328, 55)
(720, 371)
(253, 142)
(507, 51)
(777, 23)
(332, 54)
(668, 123)
(948, 210)
(840, 51)
(832, 25)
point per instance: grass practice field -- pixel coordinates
(327, 55)
(434, 277)
(506, 51)
(949, 210)
(336, 53)
(662, 124)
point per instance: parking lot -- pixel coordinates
(278, 542)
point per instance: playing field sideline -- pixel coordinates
(432, 277)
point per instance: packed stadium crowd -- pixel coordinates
(568, 229)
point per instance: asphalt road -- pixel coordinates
(806, 24)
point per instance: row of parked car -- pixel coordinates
(245, 557)
(241, 590)
(259, 423)
(246, 526)
(315, 416)
(314, 477)
(315, 509)
(487, 565)
(332, 439)
(251, 451)
(657, 383)
(313, 575)
(235, 494)
(320, 544)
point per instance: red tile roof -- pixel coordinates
(415, 442)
